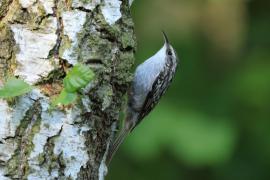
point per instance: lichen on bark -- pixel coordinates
(40, 41)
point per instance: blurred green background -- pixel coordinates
(214, 122)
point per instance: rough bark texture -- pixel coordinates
(39, 41)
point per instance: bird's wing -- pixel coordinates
(152, 98)
(159, 87)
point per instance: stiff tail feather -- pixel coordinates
(116, 144)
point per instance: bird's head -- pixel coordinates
(168, 49)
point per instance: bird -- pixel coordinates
(151, 80)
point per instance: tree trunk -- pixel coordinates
(39, 41)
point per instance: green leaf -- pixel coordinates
(14, 87)
(65, 98)
(78, 77)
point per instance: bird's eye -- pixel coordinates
(169, 52)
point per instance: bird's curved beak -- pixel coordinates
(165, 38)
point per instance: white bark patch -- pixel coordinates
(10, 119)
(2, 173)
(73, 22)
(71, 144)
(47, 4)
(7, 150)
(51, 125)
(34, 50)
(90, 5)
(111, 11)
(27, 3)
(42, 173)
(5, 116)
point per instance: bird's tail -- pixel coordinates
(124, 132)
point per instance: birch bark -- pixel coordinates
(39, 41)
